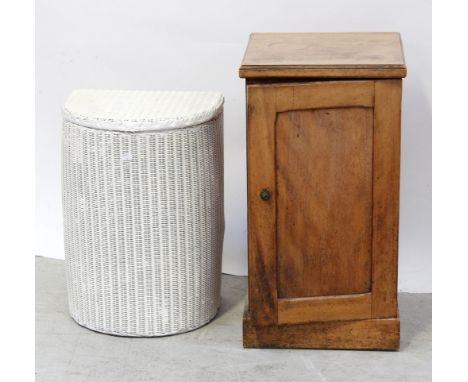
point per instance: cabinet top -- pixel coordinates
(324, 55)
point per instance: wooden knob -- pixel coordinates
(265, 194)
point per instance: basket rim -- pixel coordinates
(141, 111)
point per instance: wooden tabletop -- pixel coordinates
(324, 55)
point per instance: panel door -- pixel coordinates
(323, 160)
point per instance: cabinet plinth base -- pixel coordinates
(378, 334)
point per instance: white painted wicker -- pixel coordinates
(143, 210)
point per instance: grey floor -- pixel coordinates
(66, 352)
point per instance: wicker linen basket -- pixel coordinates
(143, 209)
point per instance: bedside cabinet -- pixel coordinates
(323, 159)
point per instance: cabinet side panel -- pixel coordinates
(261, 214)
(324, 201)
(386, 197)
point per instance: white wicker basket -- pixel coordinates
(143, 209)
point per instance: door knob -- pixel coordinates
(265, 194)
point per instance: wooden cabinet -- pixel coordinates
(323, 157)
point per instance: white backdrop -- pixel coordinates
(198, 45)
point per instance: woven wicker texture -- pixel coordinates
(131, 110)
(144, 226)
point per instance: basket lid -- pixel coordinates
(128, 110)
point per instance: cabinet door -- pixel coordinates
(323, 175)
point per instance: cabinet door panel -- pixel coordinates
(324, 245)
(324, 201)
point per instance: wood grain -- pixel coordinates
(261, 214)
(325, 94)
(318, 94)
(323, 248)
(328, 55)
(331, 308)
(324, 201)
(359, 334)
(386, 164)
